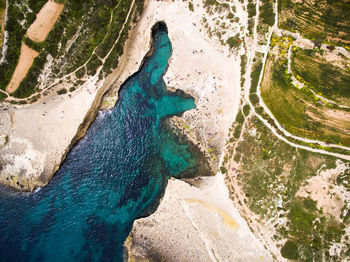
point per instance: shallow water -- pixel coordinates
(115, 174)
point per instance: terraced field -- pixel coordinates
(299, 112)
(325, 78)
(327, 20)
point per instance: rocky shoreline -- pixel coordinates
(30, 155)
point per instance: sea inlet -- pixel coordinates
(117, 173)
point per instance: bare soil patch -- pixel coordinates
(25, 61)
(44, 21)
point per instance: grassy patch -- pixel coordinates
(298, 111)
(327, 80)
(251, 9)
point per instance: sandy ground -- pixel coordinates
(199, 66)
(199, 224)
(24, 63)
(44, 21)
(35, 138)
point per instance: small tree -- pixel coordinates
(234, 41)
(290, 250)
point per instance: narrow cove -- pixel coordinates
(114, 175)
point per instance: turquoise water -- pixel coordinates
(115, 174)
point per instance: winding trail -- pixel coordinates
(251, 54)
(263, 233)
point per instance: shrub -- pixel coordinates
(234, 41)
(190, 6)
(254, 99)
(246, 110)
(290, 250)
(62, 91)
(251, 10)
(230, 16)
(223, 170)
(240, 117)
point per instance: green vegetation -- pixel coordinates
(234, 41)
(243, 68)
(325, 79)
(250, 26)
(223, 170)
(2, 18)
(251, 9)
(240, 117)
(267, 15)
(298, 110)
(32, 44)
(290, 250)
(93, 64)
(190, 6)
(246, 110)
(256, 70)
(325, 19)
(271, 173)
(17, 12)
(82, 27)
(62, 91)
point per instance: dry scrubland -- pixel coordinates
(301, 198)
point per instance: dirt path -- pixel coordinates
(232, 183)
(73, 72)
(44, 21)
(38, 31)
(250, 56)
(24, 63)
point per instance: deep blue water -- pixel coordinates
(115, 174)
